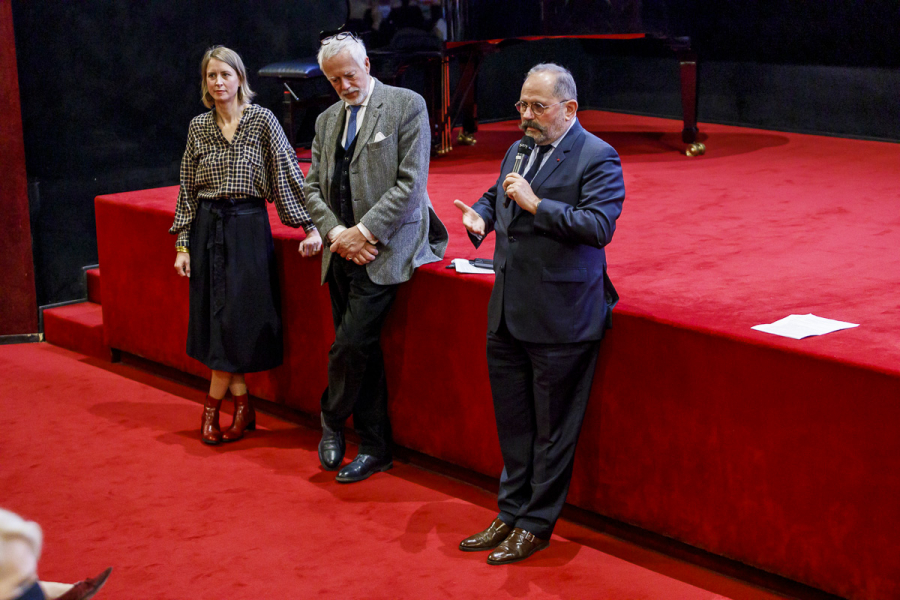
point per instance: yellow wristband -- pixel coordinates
(184, 249)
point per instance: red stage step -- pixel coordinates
(93, 285)
(77, 327)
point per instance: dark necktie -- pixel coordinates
(536, 166)
(351, 126)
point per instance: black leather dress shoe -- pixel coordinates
(487, 539)
(518, 546)
(363, 467)
(331, 447)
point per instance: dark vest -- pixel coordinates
(341, 195)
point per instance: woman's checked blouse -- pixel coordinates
(259, 161)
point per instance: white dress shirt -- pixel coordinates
(359, 115)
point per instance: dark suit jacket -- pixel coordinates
(551, 284)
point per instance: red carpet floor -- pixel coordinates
(108, 460)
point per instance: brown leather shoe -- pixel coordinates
(209, 425)
(87, 588)
(518, 546)
(487, 539)
(244, 419)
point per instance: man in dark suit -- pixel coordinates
(549, 308)
(366, 194)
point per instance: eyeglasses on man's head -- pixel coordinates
(340, 36)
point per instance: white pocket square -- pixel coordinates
(378, 137)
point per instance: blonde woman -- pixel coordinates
(237, 157)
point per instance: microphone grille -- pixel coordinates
(526, 145)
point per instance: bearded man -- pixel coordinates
(549, 308)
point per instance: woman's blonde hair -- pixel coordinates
(233, 60)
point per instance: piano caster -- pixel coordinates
(697, 149)
(466, 139)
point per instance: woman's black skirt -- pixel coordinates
(235, 305)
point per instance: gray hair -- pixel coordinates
(332, 46)
(565, 83)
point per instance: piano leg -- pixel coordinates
(287, 115)
(468, 108)
(687, 60)
(461, 105)
(446, 125)
(437, 91)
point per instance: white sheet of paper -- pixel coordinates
(464, 266)
(800, 326)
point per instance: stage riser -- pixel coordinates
(77, 327)
(779, 460)
(776, 459)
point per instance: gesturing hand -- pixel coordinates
(311, 244)
(472, 221)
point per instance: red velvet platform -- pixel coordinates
(77, 327)
(93, 286)
(779, 453)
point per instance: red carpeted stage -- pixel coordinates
(778, 453)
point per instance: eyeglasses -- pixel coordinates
(536, 107)
(340, 36)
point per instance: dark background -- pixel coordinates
(108, 87)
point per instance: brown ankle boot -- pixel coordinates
(244, 419)
(209, 426)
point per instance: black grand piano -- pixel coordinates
(478, 27)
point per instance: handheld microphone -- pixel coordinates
(525, 148)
